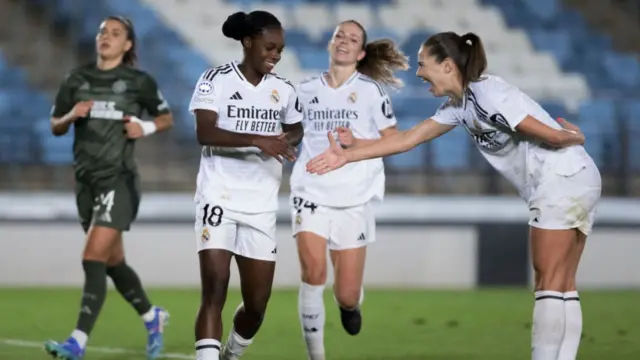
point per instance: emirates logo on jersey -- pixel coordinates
(353, 97)
(275, 97)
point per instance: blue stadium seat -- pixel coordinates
(545, 10)
(624, 70)
(412, 160)
(632, 126)
(557, 42)
(451, 150)
(312, 58)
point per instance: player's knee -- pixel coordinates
(314, 275)
(256, 307)
(348, 297)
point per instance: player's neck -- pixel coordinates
(108, 64)
(338, 75)
(252, 76)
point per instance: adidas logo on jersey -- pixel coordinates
(314, 100)
(236, 96)
(362, 237)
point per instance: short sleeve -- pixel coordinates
(508, 103)
(382, 111)
(65, 97)
(446, 114)
(205, 95)
(294, 109)
(151, 98)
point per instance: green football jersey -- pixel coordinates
(101, 149)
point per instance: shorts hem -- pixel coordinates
(579, 228)
(350, 247)
(111, 226)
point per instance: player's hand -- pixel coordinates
(575, 130)
(133, 129)
(81, 109)
(345, 137)
(277, 147)
(331, 159)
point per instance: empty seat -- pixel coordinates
(415, 159)
(451, 150)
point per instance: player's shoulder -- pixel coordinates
(488, 83)
(217, 72)
(366, 82)
(450, 104)
(281, 80)
(310, 82)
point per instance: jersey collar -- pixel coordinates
(353, 77)
(234, 65)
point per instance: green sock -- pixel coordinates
(129, 286)
(93, 294)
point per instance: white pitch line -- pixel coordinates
(98, 349)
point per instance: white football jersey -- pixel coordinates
(243, 179)
(490, 111)
(360, 104)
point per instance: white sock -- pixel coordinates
(235, 346)
(207, 349)
(311, 314)
(572, 327)
(81, 337)
(548, 325)
(149, 315)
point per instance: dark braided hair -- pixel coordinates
(241, 25)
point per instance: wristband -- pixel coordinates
(148, 127)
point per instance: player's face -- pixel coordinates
(111, 41)
(438, 75)
(266, 50)
(346, 45)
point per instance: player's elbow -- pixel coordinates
(58, 129)
(207, 137)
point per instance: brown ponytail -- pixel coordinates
(382, 59)
(466, 51)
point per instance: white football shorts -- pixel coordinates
(344, 228)
(566, 198)
(249, 235)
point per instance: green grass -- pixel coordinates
(407, 325)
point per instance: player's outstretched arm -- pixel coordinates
(402, 141)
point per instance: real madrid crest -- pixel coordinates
(298, 219)
(353, 97)
(119, 87)
(275, 97)
(205, 235)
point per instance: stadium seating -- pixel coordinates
(19, 105)
(539, 45)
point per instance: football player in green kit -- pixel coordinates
(103, 102)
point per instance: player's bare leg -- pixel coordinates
(572, 308)
(214, 274)
(256, 280)
(553, 253)
(312, 252)
(349, 272)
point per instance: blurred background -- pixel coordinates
(449, 222)
(579, 58)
